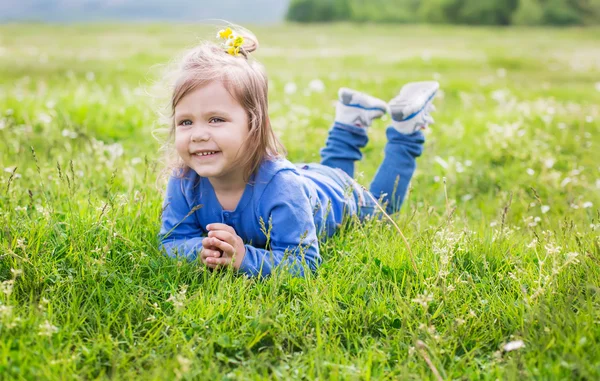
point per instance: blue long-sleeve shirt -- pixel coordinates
(293, 205)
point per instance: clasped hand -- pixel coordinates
(223, 247)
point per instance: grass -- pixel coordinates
(502, 218)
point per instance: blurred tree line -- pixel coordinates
(473, 12)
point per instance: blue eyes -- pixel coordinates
(187, 122)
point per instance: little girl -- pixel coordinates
(234, 200)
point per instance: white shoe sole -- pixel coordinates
(412, 99)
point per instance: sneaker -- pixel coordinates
(411, 107)
(358, 109)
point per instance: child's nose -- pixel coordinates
(200, 134)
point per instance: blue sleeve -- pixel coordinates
(292, 233)
(180, 233)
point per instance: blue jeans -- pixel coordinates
(391, 181)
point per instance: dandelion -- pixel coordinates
(513, 345)
(316, 85)
(47, 329)
(549, 162)
(290, 88)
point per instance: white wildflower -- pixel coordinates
(513, 345)
(587, 204)
(69, 134)
(90, 76)
(16, 272)
(549, 162)
(6, 287)
(530, 172)
(47, 329)
(565, 182)
(572, 258)
(545, 208)
(179, 299)
(441, 162)
(424, 299)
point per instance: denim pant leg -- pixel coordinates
(393, 176)
(342, 147)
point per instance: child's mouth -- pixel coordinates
(206, 155)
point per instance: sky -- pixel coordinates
(69, 11)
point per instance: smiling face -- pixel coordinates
(211, 128)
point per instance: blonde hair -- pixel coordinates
(246, 81)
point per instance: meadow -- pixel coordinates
(501, 277)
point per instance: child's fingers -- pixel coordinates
(219, 226)
(226, 247)
(207, 253)
(218, 262)
(223, 236)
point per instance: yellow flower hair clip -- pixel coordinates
(232, 43)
